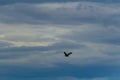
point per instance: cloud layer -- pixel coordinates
(33, 37)
(61, 13)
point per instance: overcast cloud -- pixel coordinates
(34, 35)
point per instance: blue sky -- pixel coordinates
(35, 33)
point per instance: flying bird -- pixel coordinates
(67, 54)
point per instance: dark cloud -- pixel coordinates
(86, 73)
(24, 51)
(31, 1)
(4, 44)
(82, 12)
(3, 2)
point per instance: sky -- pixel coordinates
(35, 33)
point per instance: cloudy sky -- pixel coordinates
(35, 33)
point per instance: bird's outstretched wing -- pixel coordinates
(69, 53)
(65, 53)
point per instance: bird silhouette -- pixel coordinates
(67, 54)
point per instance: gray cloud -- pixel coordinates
(34, 36)
(56, 46)
(99, 34)
(4, 44)
(83, 41)
(2, 2)
(61, 78)
(11, 52)
(61, 13)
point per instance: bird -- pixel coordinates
(67, 54)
